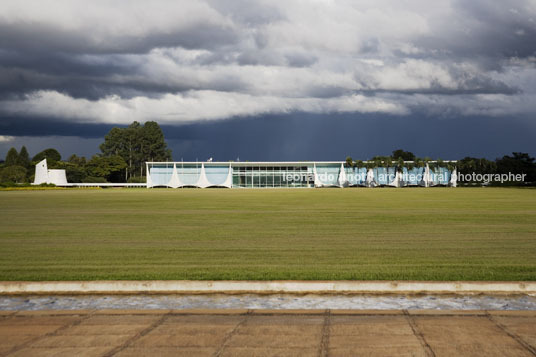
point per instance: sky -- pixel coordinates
(272, 80)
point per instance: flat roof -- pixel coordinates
(245, 163)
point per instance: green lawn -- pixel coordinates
(421, 234)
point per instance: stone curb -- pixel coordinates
(318, 312)
(266, 287)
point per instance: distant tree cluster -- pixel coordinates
(123, 157)
(518, 163)
(136, 144)
(16, 166)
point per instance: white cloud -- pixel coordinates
(187, 107)
(162, 60)
(6, 138)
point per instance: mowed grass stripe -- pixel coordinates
(407, 234)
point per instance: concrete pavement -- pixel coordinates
(267, 333)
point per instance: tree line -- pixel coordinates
(125, 151)
(517, 163)
(122, 158)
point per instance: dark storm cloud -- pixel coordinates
(42, 38)
(180, 62)
(303, 136)
(486, 31)
(15, 126)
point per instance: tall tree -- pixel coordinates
(133, 140)
(153, 145)
(468, 165)
(518, 163)
(404, 155)
(51, 155)
(24, 157)
(77, 160)
(136, 144)
(109, 167)
(115, 143)
(12, 157)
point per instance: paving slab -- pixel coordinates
(81, 341)
(448, 312)
(110, 329)
(33, 330)
(210, 319)
(467, 336)
(121, 319)
(369, 326)
(366, 312)
(269, 352)
(525, 313)
(521, 327)
(268, 333)
(60, 351)
(379, 351)
(167, 352)
(199, 340)
(39, 320)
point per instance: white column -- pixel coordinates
(343, 180)
(148, 176)
(370, 178)
(317, 181)
(427, 176)
(454, 178)
(174, 182)
(203, 181)
(396, 180)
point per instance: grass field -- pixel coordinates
(422, 234)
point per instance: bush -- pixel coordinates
(137, 179)
(14, 184)
(47, 185)
(94, 179)
(13, 173)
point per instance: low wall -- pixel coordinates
(266, 287)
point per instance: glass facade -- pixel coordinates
(413, 177)
(440, 176)
(328, 175)
(356, 176)
(384, 175)
(288, 174)
(161, 174)
(265, 176)
(188, 174)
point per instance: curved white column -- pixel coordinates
(343, 180)
(426, 177)
(148, 179)
(454, 178)
(396, 180)
(175, 182)
(370, 178)
(202, 181)
(317, 180)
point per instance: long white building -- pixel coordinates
(291, 174)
